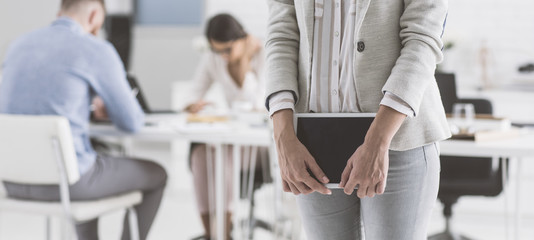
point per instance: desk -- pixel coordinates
(516, 148)
(237, 135)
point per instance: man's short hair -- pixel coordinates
(68, 4)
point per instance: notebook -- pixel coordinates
(332, 138)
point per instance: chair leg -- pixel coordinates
(448, 234)
(68, 226)
(132, 220)
(48, 228)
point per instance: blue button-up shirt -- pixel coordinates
(57, 70)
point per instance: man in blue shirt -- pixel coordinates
(59, 70)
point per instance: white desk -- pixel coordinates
(516, 149)
(238, 135)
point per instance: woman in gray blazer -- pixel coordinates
(360, 56)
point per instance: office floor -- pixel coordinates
(476, 217)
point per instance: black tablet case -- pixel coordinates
(332, 140)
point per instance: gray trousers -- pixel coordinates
(109, 176)
(401, 213)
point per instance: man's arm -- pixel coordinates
(112, 86)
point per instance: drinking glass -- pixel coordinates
(463, 117)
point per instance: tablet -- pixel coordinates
(332, 138)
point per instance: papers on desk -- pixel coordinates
(203, 128)
(489, 135)
(204, 124)
(487, 128)
(208, 123)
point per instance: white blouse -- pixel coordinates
(214, 68)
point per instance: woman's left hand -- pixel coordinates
(366, 169)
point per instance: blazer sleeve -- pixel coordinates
(422, 24)
(282, 49)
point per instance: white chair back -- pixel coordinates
(32, 149)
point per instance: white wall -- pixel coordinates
(164, 55)
(20, 16)
(508, 28)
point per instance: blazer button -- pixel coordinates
(361, 46)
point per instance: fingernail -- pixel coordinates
(329, 192)
(325, 179)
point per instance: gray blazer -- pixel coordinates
(401, 41)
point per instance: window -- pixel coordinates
(170, 12)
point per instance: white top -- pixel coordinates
(333, 88)
(214, 68)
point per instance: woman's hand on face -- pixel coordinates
(366, 169)
(251, 46)
(295, 160)
(196, 107)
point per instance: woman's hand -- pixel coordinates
(196, 107)
(368, 167)
(295, 160)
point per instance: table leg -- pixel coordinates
(236, 190)
(517, 214)
(506, 193)
(211, 199)
(279, 218)
(251, 175)
(219, 191)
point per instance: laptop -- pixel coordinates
(332, 138)
(138, 92)
(151, 114)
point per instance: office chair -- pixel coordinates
(465, 176)
(39, 150)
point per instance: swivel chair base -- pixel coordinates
(448, 236)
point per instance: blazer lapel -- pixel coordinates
(308, 8)
(362, 6)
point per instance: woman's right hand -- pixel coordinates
(196, 107)
(295, 160)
